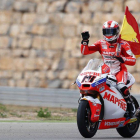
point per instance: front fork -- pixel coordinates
(95, 107)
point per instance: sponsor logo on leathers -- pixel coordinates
(109, 61)
(129, 52)
(109, 53)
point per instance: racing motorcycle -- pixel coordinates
(102, 105)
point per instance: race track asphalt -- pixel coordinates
(52, 131)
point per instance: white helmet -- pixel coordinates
(111, 30)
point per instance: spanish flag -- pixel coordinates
(130, 32)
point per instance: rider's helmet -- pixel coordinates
(111, 31)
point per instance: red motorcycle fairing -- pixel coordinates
(112, 123)
(95, 111)
(95, 107)
(87, 88)
(115, 123)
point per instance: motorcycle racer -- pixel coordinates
(116, 54)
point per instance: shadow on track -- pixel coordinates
(102, 138)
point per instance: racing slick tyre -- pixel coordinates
(129, 129)
(85, 126)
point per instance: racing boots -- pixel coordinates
(130, 106)
(126, 94)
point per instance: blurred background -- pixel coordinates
(40, 40)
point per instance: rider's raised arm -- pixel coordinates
(128, 56)
(85, 49)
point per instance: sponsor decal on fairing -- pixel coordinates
(115, 100)
(98, 82)
(78, 83)
(90, 73)
(121, 124)
(101, 88)
(96, 115)
(112, 123)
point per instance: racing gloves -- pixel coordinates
(85, 37)
(119, 58)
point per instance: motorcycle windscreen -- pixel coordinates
(93, 64)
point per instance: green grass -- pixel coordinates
(36, 114)
(2, 115)
(38, 121)
(3, 107)
(44, 113)
(15, 114)
(74, 109)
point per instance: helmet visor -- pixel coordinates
(110, 31)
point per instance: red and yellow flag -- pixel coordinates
(130, 32)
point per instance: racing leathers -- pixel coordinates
(108, 51)
(117, 66)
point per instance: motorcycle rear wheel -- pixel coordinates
(86, 128)
(129, 130)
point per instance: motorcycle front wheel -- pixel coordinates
(86, 128)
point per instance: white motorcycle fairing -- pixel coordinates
(114, 104)
(89, 98)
